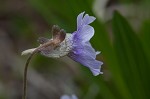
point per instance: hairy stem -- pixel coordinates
(25, 74)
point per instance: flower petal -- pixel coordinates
(92, 64)
(88, 19)
(84, 34)
(96, 71)
(85, 54)
(84, 20)
(79, 20)
(79, 47)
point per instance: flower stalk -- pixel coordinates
(25, 73)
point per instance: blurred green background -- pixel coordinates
(122, 34)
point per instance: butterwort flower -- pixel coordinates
(68, 97)
(82, 51)
(75, 45)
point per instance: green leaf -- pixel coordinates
(131, 57)
(144, 36)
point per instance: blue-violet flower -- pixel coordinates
(75, 45)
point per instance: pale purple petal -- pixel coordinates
(88, 19)
(84, 20)
(86, 55)
(86, 47)
(79, 19)
(96, 71)
(84, 34)
(92, 64)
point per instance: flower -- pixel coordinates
(68, 97)
(82, 51)
(75, 45)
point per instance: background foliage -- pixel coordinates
(124, 50)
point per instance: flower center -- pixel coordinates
(63, 49)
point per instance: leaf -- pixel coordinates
(131, 57)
